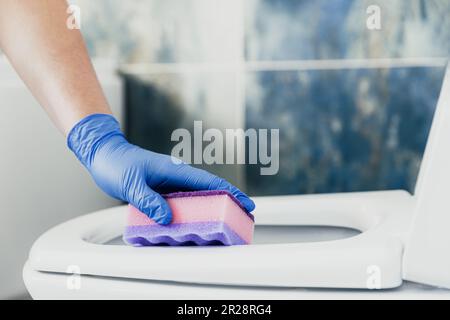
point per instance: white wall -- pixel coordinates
(41, 182)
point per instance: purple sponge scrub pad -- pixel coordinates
(198, 218)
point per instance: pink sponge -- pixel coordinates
(199, 218)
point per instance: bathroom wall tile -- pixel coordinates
(156, 31)
(343, 130)
(336, 29)
(159, 31)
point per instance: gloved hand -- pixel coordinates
(129, 173)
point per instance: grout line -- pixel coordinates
(293, 65)
(345, 64)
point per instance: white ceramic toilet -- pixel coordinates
(401, 237)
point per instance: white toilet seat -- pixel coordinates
(383, 218)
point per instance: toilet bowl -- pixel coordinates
(401, 237)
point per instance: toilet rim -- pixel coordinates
(381, 216)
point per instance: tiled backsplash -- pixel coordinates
(336, 29)
(343, 130)
(161, 31)
(154, 31)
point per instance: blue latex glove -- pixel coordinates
(132, 174)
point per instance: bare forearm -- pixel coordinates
(51, 59)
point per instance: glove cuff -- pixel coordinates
(88, 135)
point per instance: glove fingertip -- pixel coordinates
(248, 203)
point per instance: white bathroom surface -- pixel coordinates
(426, 257)
(291, 252)
(265, 234)
(57, 286)
(287, 251)
(46, 285)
